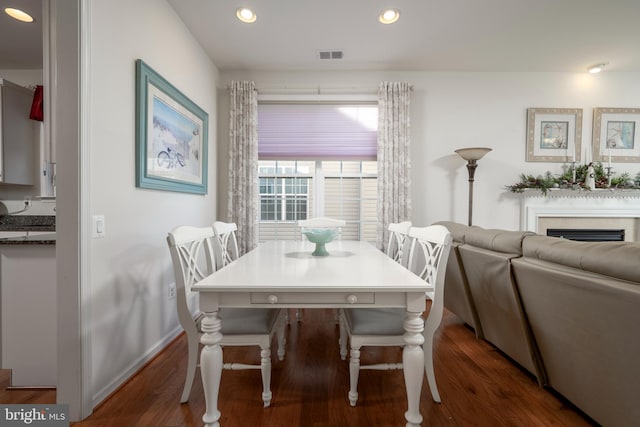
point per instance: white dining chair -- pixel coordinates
(428, 256)
(398, 250)
(194, 256)
(226, 235)
(398, 240)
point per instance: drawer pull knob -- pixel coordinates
(352, 299)
(272, 299)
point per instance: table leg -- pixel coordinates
(211, 367)
(413, 362)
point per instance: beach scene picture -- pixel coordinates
(620, 135)
(174, 144)
(555, 135)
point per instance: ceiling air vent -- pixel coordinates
(330, 54)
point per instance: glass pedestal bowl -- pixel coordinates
(320, 236)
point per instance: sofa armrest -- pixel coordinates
(458, 231)
(504, 241)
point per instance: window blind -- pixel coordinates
(317, 131)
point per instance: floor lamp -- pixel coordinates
(472, 155)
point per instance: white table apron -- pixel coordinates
(284, 275)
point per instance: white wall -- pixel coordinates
(457, 110)
(27, 77)
(130, 268)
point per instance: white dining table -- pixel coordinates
(284, 274)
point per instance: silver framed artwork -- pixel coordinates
(554, 134)
(616, 135)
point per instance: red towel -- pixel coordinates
(36, 107)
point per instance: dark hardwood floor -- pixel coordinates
(479, 386)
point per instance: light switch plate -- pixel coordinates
(98, 227)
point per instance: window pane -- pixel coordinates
(331, 168)
(289, 186)
(267, 210)
(296, 209)
(267, 167)
(287, 167)
(350, 168)
(370, 168)
(306, 167)
(267, 185)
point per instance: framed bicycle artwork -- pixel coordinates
(171, 136)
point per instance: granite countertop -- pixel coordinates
(39, 239)
(28, 223)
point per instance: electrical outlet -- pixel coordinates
(172, 290)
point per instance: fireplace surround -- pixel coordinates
(581, 209)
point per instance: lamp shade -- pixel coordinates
(474, 153)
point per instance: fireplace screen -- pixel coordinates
(588, 234)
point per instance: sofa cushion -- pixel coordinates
(615, 259)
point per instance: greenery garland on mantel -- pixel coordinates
(565, 181)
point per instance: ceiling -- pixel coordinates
(21, 43)
(431, 35)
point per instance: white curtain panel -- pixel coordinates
(243, 163)
(394, 165)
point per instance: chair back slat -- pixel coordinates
(192, 253)
(398, 242)
(228, 242)
(428, 259)
(193, 257)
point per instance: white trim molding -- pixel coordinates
(577, 204)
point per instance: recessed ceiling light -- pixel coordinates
(18, 14)
(596, 68)
(389, 16)
(246, 15)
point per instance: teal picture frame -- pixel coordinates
(171, 136)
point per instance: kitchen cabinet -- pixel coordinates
(28, 312)
(17, 135)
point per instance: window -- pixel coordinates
(350, 193)
(284, 193)
(287, 205)
(317, 160)
(285, 196)
(341, 189)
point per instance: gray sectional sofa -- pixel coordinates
(568, 312)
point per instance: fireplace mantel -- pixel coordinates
(600, 203)
(599, 193)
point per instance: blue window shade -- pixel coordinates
(317, 131)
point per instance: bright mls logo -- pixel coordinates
(34, 415)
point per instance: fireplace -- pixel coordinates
(582, 210)
(588, 234)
